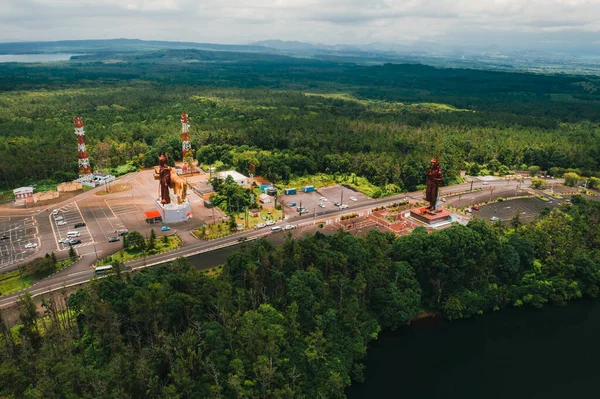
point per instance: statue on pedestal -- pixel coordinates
(434, 179)
(168, 178)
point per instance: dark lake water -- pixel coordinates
(514, 353)
(34, 57)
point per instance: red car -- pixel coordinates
(475, 208)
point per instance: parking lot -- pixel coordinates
(327, 196)
(527, 208)
(64, 221)
(15, 234)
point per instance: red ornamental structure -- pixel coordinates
(186, 146)
(85, 169)
(434, 179)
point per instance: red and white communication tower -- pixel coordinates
(85, 169)
(186, 146)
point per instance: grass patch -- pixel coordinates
(223, 229)
(20, 279)
(360, 184)
(173, 242)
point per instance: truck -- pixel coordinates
(289, 191)
(308, 189)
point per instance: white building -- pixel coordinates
(236, 176)
(23, 192)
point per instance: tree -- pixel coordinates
(533, 170)
(151, 240)
(537, 183)
(72, 253)
(571, 179)
(134, 241)
(594, 183)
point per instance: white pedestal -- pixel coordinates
(174, 213)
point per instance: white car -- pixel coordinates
(55, 212)
(270, 223)
(260, 225)
(61, 223)
(353, 199)
(63, 240)
(57, 218)
(343, 206)
(323, 199)
(31, 245)
(485, 183)
(322, 205)
(289, 227)
(494, 218)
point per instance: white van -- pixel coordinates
(71, 234)
(275, 229)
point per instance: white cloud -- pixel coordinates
(324, 21)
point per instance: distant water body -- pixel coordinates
(35, 57)
(515, 353)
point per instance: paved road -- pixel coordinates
(82, 271)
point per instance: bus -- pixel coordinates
(103, 269)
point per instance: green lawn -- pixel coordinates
(173, 242)
(13, 281)
(223, 229)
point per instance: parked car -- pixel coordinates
(31, 245)
(270, 223)
(475, 207)
(4, 237)
(61, 223)
(336, 203)
(239, 227)
(494, 218)
(353, 199)
(322, 205)
(123, 233)
(74, 242)
(303, 210)
(292, 204)
(323, 199)
(260, 225)
(468, 210)
(343, 206)
(443, 199)
(64, 240)
(80, 224)
(165, 228)
(485, 183)
(55, 212)
(57, 218)
(289, 227)
(114, 239)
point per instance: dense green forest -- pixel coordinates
(292, 116)
(292, 321)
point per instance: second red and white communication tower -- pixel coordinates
(85, 170)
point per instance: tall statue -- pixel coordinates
(164, 177)
(434, 179)
(168, 178)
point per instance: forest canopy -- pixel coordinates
(292, 117)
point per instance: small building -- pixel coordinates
(272, 191)
(254, 213)
(308, 189)
(45, 196)
(236, 176)
(264, 198)
(69, 186)
(289, 191)
(23, 192)
(153, 217)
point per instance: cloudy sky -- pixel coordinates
(556, 24)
